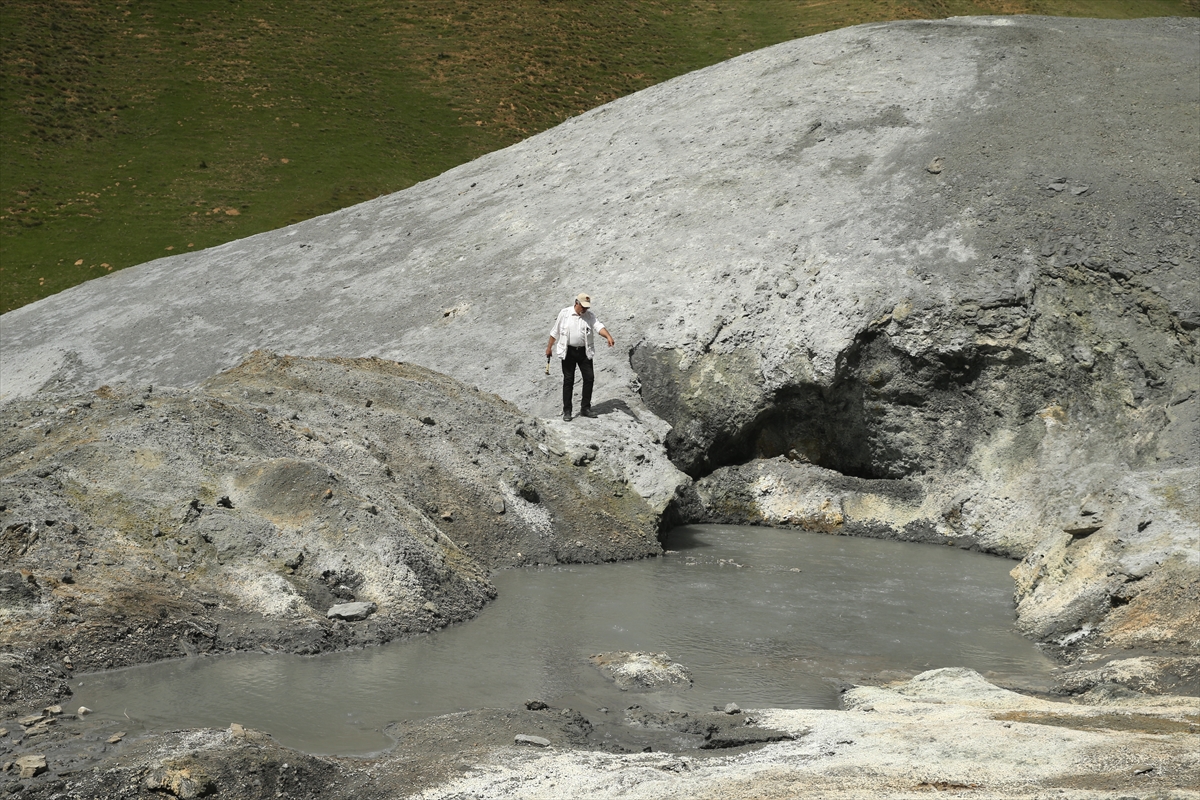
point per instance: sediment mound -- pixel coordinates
(145, 523)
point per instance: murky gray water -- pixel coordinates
(800, 613)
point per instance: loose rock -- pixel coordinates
(536, 741)
(31, 766)
(352, 612)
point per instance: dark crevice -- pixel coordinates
(886, 414)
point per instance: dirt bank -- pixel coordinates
(141, 523)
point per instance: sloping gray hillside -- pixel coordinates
(935, 280)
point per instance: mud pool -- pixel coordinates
(760, 617)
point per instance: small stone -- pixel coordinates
(1145, 769)
(535, 705)
(732, 708)
(237, 730)
(32, 719)
(40, 728)
(527, 492)
(352, 612)
(34, 765)
(431, 607)
(83, 711)
(498, 504)
(116, 737)
(184, 784)
(535, 741)
(934, 167)
(53, 710)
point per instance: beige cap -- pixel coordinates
(584, 300)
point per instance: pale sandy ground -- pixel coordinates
(946, 732)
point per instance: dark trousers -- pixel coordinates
(577, 356)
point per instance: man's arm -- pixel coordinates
(555, 332)
(607, 336)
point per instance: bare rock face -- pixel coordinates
(143, 523)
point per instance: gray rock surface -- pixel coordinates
(769, 213)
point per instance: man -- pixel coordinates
(575, 334)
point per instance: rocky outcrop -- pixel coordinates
(295, 504)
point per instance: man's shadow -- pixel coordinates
(609, 406)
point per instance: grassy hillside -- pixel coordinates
(130, 131)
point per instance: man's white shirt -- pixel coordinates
(575, 330)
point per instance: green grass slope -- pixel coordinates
(130, 131)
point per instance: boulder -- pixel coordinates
(642, 671)
(185, 783)
(30, 766)
(351, 611)
(535, 741)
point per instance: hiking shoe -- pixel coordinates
(587, 412)
(566, 416)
